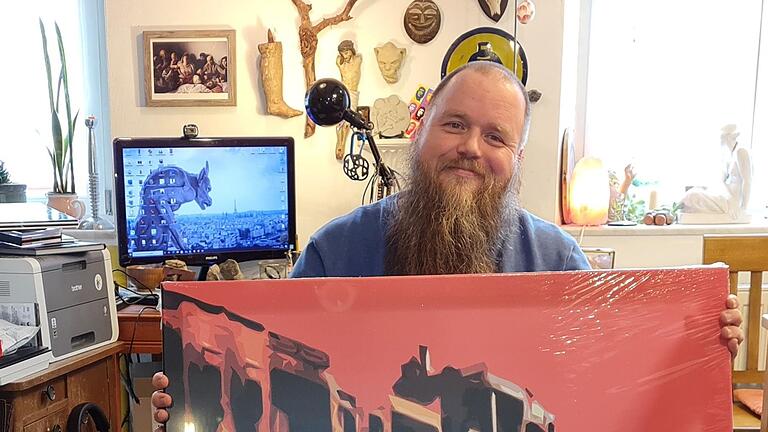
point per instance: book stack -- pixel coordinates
(44, 241)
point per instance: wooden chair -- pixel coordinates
(744, 254)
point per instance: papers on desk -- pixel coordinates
(23, 238)
(67, 244)
(13, 336)
(15, 216)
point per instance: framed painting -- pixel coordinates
(190, 68)
(621, 350)
(600, 258)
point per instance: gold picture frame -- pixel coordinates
(600, 258)
(190, 68)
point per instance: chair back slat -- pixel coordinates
(748, 253)
(753, 327)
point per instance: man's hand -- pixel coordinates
(730, 320)
(160, 400)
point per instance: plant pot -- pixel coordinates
(13, 193)
(66, 203)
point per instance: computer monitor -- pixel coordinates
(204, 200)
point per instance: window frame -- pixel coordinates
(581, 102)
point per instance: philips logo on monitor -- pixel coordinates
(207, 200)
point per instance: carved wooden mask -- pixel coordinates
(422, 20)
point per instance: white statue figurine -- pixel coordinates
(725, 202)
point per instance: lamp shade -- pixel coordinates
(589, 192)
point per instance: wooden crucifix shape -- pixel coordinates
(308, 39)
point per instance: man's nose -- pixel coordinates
(469, 147)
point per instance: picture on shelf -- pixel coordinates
(189, 68)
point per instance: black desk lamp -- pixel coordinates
(327, 103)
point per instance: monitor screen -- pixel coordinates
(204, 200)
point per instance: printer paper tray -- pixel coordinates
(22, 354)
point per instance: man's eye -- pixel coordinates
(455, 125)
(496, 138)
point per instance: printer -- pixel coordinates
(72, 293)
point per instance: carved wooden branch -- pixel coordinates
(338, 19)
(308, 39)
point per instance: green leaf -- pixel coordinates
(61, 151)
(58, 89)
(71, 154)
(55, 179)
(58, 147)
(4, 176)
(47, 65)
(64, 80)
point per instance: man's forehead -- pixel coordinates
(491, 83)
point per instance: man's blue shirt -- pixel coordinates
(354, 245)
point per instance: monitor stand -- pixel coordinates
(203, 272)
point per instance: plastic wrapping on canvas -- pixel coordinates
(619, 350)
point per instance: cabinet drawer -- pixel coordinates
(46, 395)
(54, 422)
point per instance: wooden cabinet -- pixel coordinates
(140, 329)
(54, 422)
(42, 402)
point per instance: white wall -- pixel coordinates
(323, 192)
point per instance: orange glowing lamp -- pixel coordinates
(589, 192)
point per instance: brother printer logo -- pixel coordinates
(77, 288)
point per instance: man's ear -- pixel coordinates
(422, 125)
(417, 132)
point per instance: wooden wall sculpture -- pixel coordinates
(271, 66)
(308, 39)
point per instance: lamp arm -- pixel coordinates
(386, 174)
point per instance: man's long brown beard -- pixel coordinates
(453, 228)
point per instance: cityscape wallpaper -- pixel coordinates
(205, 200)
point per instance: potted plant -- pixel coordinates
(63, 196)
(10, 192)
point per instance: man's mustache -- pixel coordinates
(465, 164)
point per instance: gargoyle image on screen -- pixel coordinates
(570, 351)
(164, 191)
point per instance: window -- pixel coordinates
(659, 81)
(27, 133)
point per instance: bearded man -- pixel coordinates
(460, 212)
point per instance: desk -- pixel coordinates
(93, 376)
(143, 327)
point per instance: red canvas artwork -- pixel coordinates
(570, 351)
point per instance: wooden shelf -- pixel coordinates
(391, 145)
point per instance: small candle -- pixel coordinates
(652, 199)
